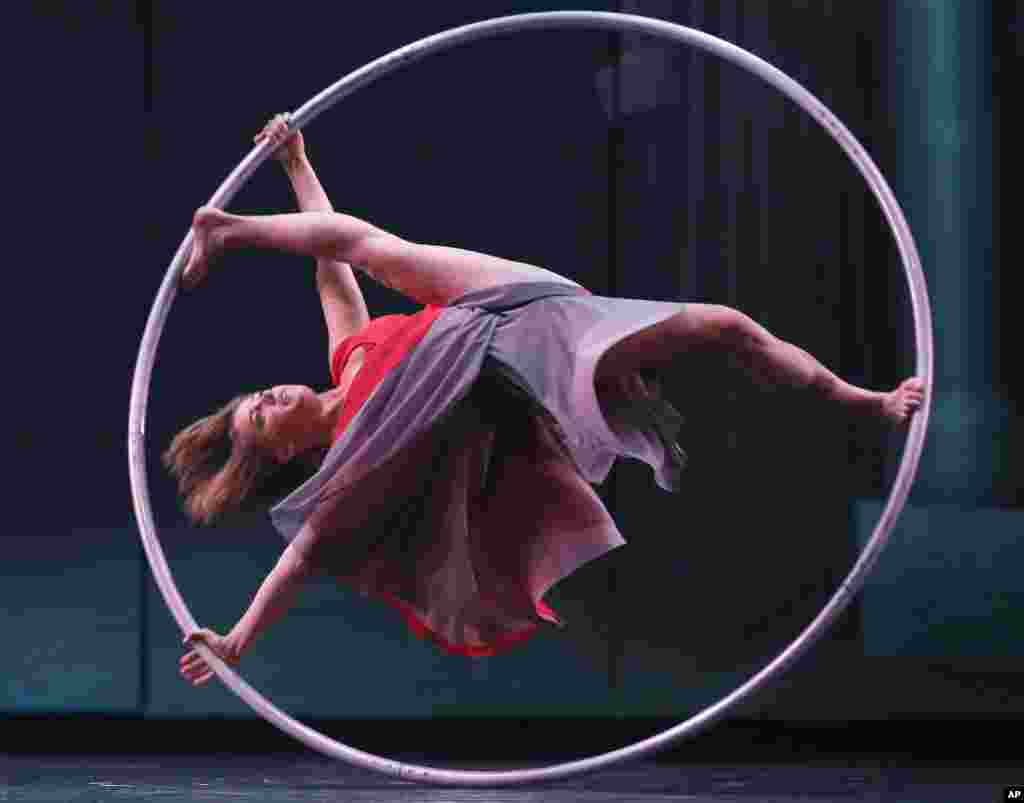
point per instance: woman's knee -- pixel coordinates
(711, 325)
(728, 327)
(696, 328)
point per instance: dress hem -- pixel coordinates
(502, 644)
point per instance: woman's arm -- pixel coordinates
(275, 597)
(342, 299)
(291, 153)
(273, 600)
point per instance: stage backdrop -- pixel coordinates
(635, 168)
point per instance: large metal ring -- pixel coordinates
(404, 56)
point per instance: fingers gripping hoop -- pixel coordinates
(404, 56)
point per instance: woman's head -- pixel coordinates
(280, 422)
(251, 451)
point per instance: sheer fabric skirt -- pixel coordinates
(461, 491)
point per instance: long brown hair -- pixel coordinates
(218, 476)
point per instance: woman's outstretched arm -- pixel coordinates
(342, 299)
(274, 598)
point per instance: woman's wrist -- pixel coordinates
(308, 191)
(235, 645)
(295, 164)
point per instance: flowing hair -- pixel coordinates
(218, 476)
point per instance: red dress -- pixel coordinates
(387, 340)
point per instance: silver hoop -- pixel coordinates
(367, 74)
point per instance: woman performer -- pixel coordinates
(452, 460)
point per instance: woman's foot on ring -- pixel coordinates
(900, 404)
(207, 242)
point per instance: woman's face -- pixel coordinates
(275, 418)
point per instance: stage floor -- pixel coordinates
(291, 777)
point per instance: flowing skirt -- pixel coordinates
(460, 491)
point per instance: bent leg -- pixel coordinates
(696, 328)
(771, 361)
(711, 327)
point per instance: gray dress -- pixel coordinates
(420, 501)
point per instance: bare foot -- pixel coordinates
(899, 405)
(207, 242)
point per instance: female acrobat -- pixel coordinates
(448, 469)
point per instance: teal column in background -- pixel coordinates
(946, 589)
(941, 105)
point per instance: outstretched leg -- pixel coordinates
(316, 234)
(428, 274)
(766, 358)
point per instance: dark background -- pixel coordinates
(636, 168)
